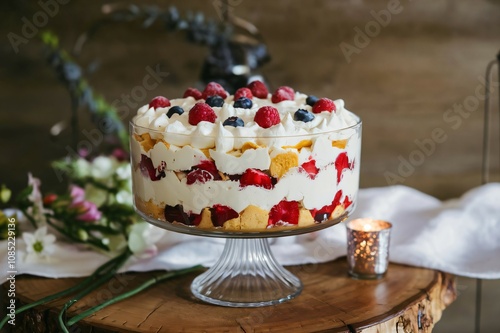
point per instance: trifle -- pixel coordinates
(246, 166)
(250, 162)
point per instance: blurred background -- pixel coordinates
(414, 71)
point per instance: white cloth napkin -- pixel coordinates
(459, 236)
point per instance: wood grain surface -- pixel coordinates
(407, 299)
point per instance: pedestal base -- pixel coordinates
(246, 275)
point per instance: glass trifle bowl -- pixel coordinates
(244, 183)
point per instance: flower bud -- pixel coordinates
(83, 235)
(49, 199)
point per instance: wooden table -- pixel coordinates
(405, 300)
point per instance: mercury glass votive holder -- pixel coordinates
(368, 248)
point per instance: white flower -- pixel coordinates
(39, 245)
(81, 168)
(125, 198)
(124, 171)
(142, 239)
(95, 194)
(103, 167)
(37, 210)
(35, 194)
(116, 243)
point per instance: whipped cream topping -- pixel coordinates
(177, 130)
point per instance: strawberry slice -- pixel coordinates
(209, 166)
(347, 202)
(198, 176)
(256, 178)
(342, 163)
(195, 219)
(324, 213)
(311, 168)
(203, 172)
(221, 214)
(284, 211)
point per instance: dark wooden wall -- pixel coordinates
(404, 83)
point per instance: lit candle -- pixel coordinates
(368, 247)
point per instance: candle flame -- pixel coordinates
(367, 227)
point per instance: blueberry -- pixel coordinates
(233, 121)
(174, 109)
(310, 100)
(215, 100)
(303, 115)
(321, 217)
(243, 102)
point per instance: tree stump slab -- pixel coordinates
(407, 299)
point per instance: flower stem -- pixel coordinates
(30, 219)
(100, 270)
(132, 292)
(105, 276)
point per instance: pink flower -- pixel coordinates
(120, 154)
(86, 210)
(77, 194)
(83, 152)
(89, 211)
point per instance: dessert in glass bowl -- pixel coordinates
(248, 165)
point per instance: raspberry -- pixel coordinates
(267, 116)
(221, 214)
(243, 92)
(256, 178)
(323, 214)
(289, 91)
(284, 211)
(193, 92)
(324, 104)
(258, 89)
(199, 176)
(283, 94)
(341, 163)
(212, 89)
(311, 168)
(279, 96)
(201, 112)
(159, 102)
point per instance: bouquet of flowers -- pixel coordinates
(95, 213)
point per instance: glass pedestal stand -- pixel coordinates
(246, 275)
